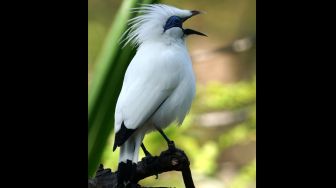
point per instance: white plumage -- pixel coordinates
(159, 84)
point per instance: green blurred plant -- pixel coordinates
(107, 80)
(240, 133)
(216, 96)
(246, 177)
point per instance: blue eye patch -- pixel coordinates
(173, 21)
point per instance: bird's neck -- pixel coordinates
(168, 41)
(173, 41)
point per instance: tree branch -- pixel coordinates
(167, 161)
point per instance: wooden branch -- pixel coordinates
(168, 160)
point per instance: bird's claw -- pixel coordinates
(148, 159)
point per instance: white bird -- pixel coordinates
(159, 84)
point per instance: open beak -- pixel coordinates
(190, 31)
(193, 13)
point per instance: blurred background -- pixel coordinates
(219, 134)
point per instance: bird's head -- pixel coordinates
(157, 22)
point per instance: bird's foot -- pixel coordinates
(121, 174)
(150, 160)
(126, 172)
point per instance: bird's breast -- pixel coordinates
(178, 104)
(170, 68)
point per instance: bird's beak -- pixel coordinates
(193, 13)
(190, 31)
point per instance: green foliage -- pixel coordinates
(242, 132)
(204, 161)
(246, 177)
(216, 96)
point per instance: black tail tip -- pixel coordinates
(115, 147)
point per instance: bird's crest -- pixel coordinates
(150, 22)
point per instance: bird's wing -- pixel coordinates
(140, 100)
(146, 86)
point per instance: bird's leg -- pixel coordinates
(126, 173)
(171, 144)
(145, 150)
(148, 158)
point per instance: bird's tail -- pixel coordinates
(122, 135)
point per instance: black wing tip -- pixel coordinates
(122, 135)
(115, 146)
